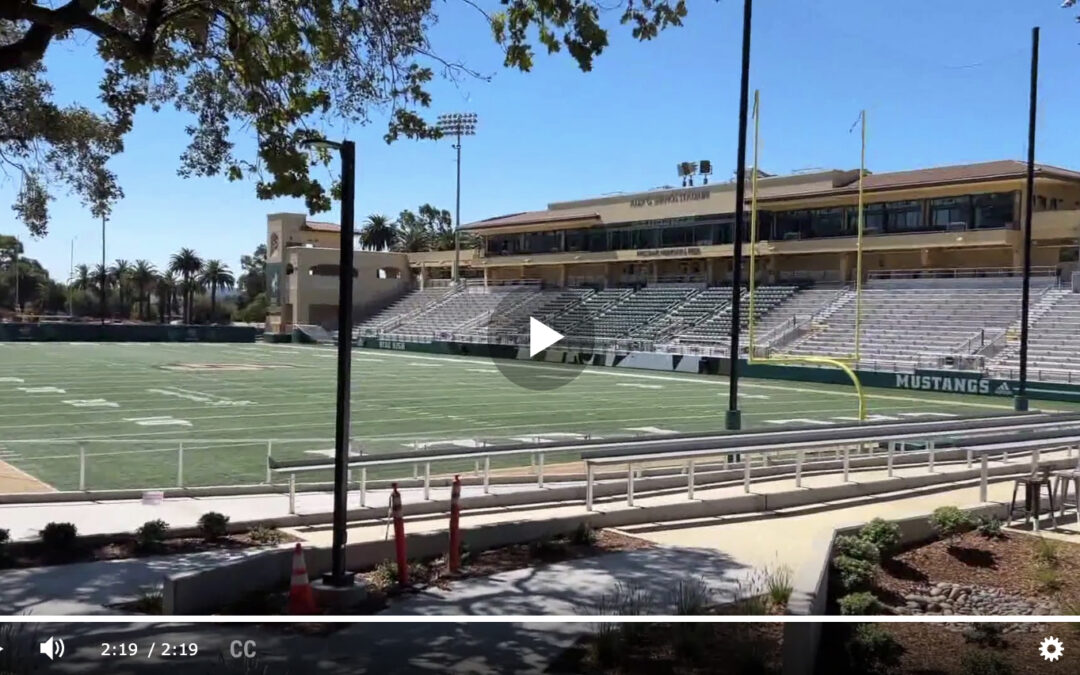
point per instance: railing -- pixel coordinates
(962, 273)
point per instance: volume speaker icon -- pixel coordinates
(53, 648)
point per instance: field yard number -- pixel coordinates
(198, 397)
(92, 403)
(161, 421)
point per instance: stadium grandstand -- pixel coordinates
(651, 271)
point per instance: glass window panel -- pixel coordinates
(993, 210)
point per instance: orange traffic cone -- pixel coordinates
(301, 599)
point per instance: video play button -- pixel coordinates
(541, 336)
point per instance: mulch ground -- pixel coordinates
(928, 649)
(18, 555)
(1009, 564)
(690, 649)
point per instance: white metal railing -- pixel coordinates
(962, 272)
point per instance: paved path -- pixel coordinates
(86, 588)
(586, 585)
(98, 517)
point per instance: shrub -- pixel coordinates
(213, 525)
(150, 601)
(5, 536)
(1048, 579)
(583, 535)
(985, 634)
(950, 522)
(265, 534)
(151, 535)
(1047, 552)
(859, 604)
(858, 548)
(547, 549)
(982, 662)
(385, 574)
(59, 537)
(990, 527)
(779, 584)
(883, 534)
(872, 650)
(691, 597)
(855, 574)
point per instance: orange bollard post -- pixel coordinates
(399, 536)
(455, 534)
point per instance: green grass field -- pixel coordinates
(133, 404)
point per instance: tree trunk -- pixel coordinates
(213, 301)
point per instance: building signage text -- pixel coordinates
(672, 198)
(966, 385)
(668, 252)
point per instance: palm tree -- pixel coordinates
(81, 281)
(187, 264)
(215, 275)
(101, 282)
(411, 238)
(120, 273)
(165, 290)
(377, 234)
(143, 276)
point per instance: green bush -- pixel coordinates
(980, 662)
(779, 584)
(872, 650)
(883, 534)
(854, 574)
(950, 522)
(1047, 552)
(691, 597)
(151, 535)
(385, 574)
(859, 604)
(59, 537)
(990, 527)
(213, 525)
(1048, 579)
(267, 535)
(858, 548)
(547, 549)
(583, 536)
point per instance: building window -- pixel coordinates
(950, 213)
(327, 271)
(903, 216)
(874, 218)
(993, 210)
(827, 222)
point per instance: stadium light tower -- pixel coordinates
(457, 124)
(337, 576)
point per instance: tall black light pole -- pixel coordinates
(457, 124)
(733, 419)
(338, 576)
(1020, 402)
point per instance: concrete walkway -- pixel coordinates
(102, 517)
(585, 585)
(87, 588)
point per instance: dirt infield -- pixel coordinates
(14, 480)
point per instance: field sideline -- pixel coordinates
(132, 404)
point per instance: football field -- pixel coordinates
(129, 407)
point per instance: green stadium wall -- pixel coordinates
(938, 381)
(93, 332)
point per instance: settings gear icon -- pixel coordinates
(1051, 649)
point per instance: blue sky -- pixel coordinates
(943, 83)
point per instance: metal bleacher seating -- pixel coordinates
(642, 307)
(410, 304)
(1053, 342)
(584, 312)
(714, 330)
(471, 305)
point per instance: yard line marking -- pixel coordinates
(926, 414)
(42, 390)
(158, 421)
(754, 396)
(12, 379)
(425, 365)
(482, 370)
(356, 358)
(198, 397)
(803, 420)
(92, 403)
(652, 430)
(639, 386)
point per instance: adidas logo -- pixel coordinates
(1004, 389)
